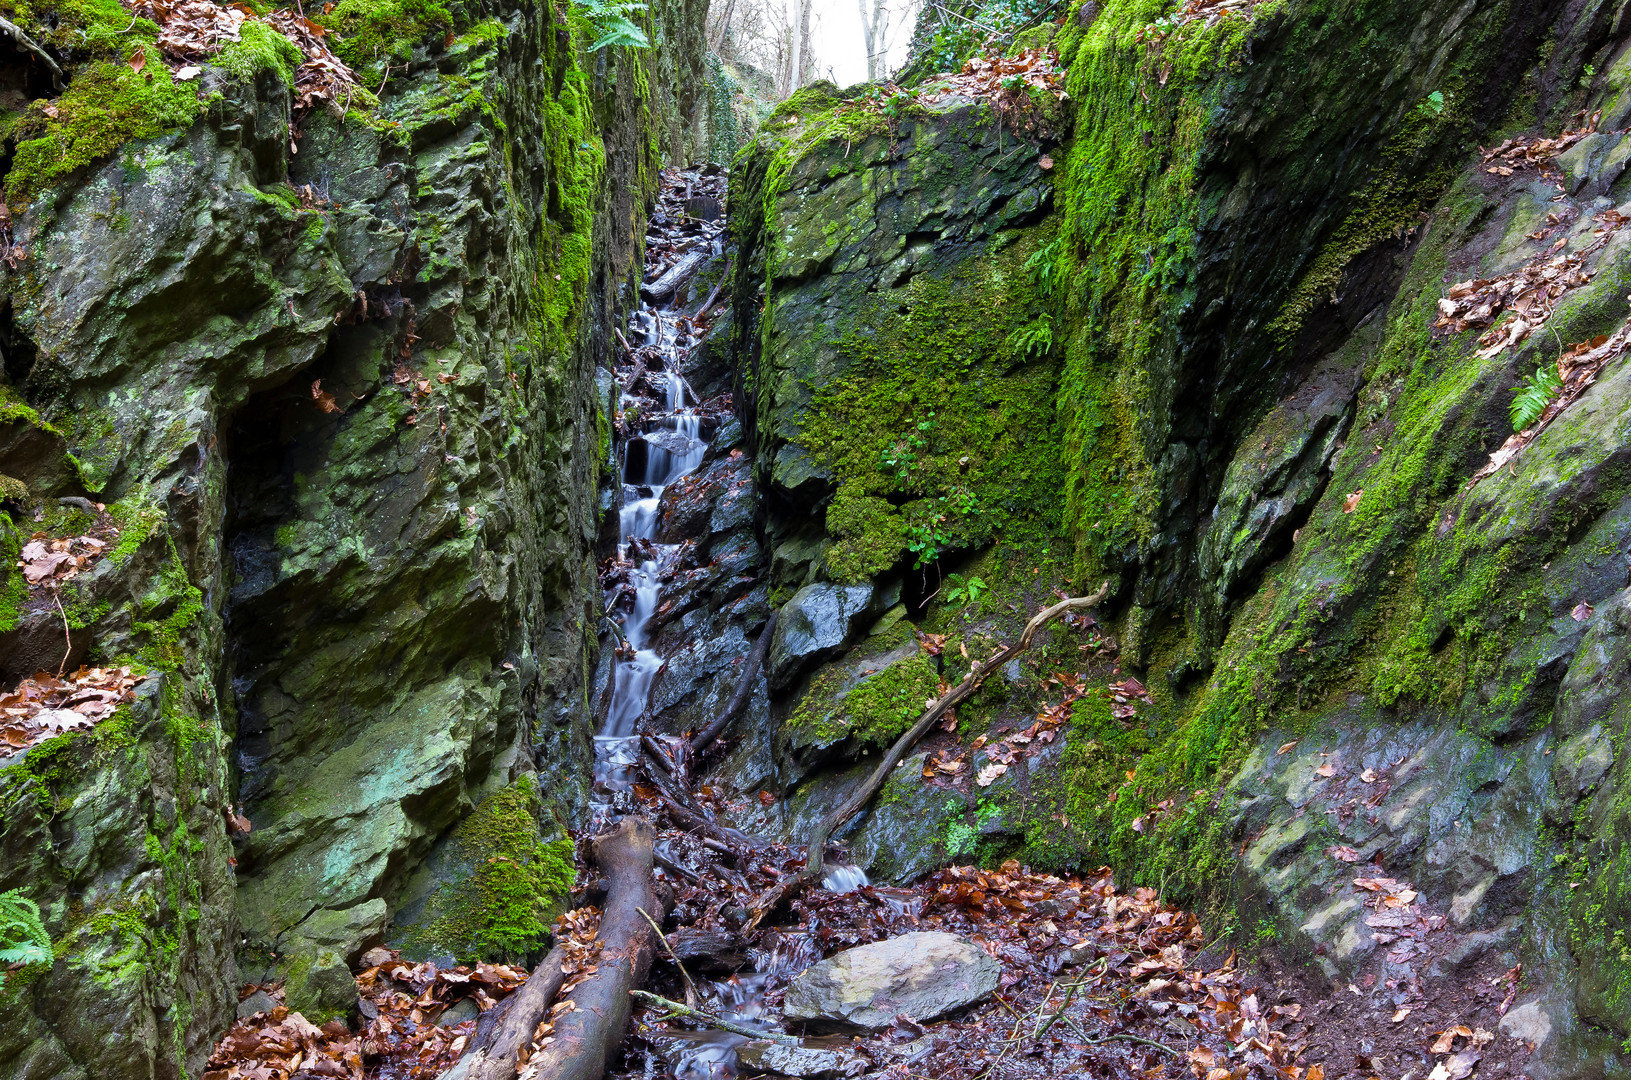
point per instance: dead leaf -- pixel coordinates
(1286, 748)
(988, 775)
(1343, 853)
(1368, 776)
(1582, 611)
(139, 60)
(1327, 769)
(324, 399)
(1350, 503)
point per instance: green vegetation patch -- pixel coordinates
(511, 887)
(872, 712)
(370, 34)
(944, 433)
(105, 106)
(259, 48)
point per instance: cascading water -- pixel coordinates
(669, 446)
(673, 447)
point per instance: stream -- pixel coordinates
(658, 449)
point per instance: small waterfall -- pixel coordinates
(667, 448)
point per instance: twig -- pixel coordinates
(690, 987)
(1091, 1041)
(676, 1009)
(816, 845)
(1069, 994)
(56, 594)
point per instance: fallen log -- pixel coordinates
(503, 1031)
(744, 688)
(675, 276)
(816, 845)
(587, 1035)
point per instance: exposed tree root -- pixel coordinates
(744, 689)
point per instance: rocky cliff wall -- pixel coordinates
(334, 382)
(1358, 650)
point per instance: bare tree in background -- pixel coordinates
(770, 36)
(802, 61)
(876, 29)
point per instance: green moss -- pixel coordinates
(869, 532)
(13, 587)
(514, 883)
(944, 436)
(369, 34)
(872, 712)
(259, 48)
(105, 106)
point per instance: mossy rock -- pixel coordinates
(496, 886)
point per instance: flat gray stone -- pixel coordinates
(258, 1002)
(922, 975)
(1528, 1022)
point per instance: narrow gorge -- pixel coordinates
(536, 548)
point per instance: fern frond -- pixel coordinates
(23, 937)
(1533, 395)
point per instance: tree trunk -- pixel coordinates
(587, 1037)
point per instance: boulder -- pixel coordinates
(921, 975)
(815, 624)
(784, 1060)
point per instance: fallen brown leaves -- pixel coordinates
(1534, 151)
(1017, 745)
(403, 1003)
(53, 561)
(191, 31)
(1578, 368)
(1012, 85)
(1531, 292)
(48, 705)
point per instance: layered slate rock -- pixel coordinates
(921, 976)
(334, 382)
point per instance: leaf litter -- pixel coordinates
(46, 705)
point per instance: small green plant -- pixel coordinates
(960, 839)
(1047, 270)
(1587, 73)
(610, 20)
(1034, 339)
(23, 939)
(1433, 104)
(1266, 931)
(1533, 395)
(961, 590)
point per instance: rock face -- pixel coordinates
(1248, 410)
(336, 396)
(922, 976)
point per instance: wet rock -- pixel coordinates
(258, 1002)
(817, 623)
(458, 1012)
(782, 1060)
(710, 950)
(1582, 761)
(923, 975)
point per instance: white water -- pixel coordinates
(672, 449)
(617, 747)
